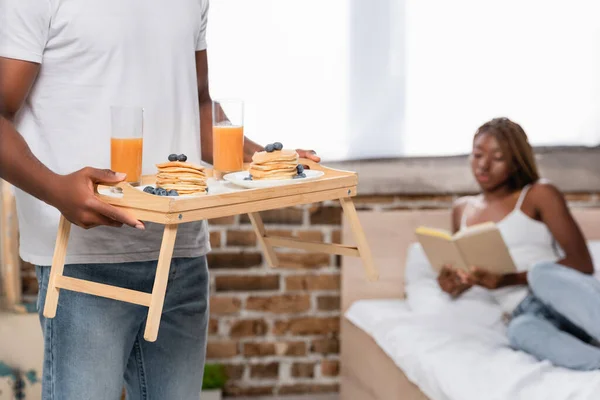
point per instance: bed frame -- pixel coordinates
(367, 373)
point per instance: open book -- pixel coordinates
(479, 245)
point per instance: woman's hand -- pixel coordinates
(481, 277)
(451, 282)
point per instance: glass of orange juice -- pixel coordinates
(127, 142)
(228, 136)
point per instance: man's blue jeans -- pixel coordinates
(95, 346)
(560, 319)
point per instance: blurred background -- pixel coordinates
(392, 89)
(389, 78)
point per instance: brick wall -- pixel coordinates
(277, 330)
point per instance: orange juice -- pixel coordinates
(228, 148)
(126, 157)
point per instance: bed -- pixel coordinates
(391, 351)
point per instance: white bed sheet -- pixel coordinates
(450, 358)
(458, 350)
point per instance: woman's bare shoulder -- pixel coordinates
(460, 202)
(458, 208)
(544, 191)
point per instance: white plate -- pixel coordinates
(108, 192)
(141, 189)
(238, 179)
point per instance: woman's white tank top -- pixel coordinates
(529, 242)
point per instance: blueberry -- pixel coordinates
(172, 192)
(270, 148)
(149, 189)
(172, 157)
(296, 176)
(182, 158)
(302, 175)
(300, 168)
(277, 146)
(160, 192)
(248, 178)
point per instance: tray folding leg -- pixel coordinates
(160, 283)
(359, 236)
(154, 301)
(58, 265)
(261, 234)
(362, 249)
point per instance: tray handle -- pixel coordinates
(311, 164)
(331, 172)
(125, 188)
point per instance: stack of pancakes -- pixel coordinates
(278, 164)
(185, 177)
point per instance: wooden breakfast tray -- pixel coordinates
(172, 211)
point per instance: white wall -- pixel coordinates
(534, 61)
(377, 79)
(362, 79)
(288, 61)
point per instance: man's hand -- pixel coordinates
(73, 195)
(310, 154)
(451, 282)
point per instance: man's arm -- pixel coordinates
(205, 101)
(206, 140)
(72, 194)
(17, 164)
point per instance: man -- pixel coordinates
(63, 63)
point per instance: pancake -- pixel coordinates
(180, 182)
(278, 164)
(180, 164)
(186, 178)
(192, 193)
(264, 168)
(181, 171)
(175, 178)
(272, 174)
(262, 157)
(275, 177)
(181, 187)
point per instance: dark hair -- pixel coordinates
(515, 145)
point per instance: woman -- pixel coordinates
(553, 301)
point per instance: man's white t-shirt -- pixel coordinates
(95, 54)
